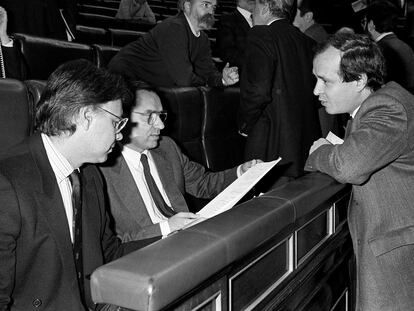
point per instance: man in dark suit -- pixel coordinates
(54, 228)
(377, 158)
(176, 52)
(232, 33)
(278, 112)
(133, 204)
(380, 21)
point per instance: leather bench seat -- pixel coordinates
(121, 37)
(88, 34)
(43, 55)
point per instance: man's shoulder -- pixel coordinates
(171, 25)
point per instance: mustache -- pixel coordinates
(208, 19)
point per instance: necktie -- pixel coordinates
(77, 228)
(155, 192)
(348, 127)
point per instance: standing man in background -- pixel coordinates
(278, 111)
(232, 33)
(377, 158)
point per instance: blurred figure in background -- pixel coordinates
(137, 10)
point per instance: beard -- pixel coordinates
(206, 21)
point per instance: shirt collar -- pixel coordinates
(383, 35)
(60, 165)
(273, 20)
(197, 34)
(132, 155)
(355, 111)
(246, 14)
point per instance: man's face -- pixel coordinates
(144, 135)
(334, 94)
(300, 21)
(259, 16)
(202, 11)
(102, 133)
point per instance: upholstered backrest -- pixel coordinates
(121, 37)
(15, 113)
(103, 54)
(88, 34)
(185, 109)
(44, 55)
(222, 144)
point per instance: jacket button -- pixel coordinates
(37, 303)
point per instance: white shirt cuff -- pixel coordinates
(239, 173)
(8, 44)
(165, 228)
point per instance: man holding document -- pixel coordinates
(377, 158)
(147, 178)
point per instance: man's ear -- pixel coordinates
(85, 118)
(362, 82)
(265, 9)
(308, 16)
(370, 25)
(186, 6)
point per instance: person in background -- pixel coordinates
(380, 22)
(54, 226)
(377, 158)
(306, 19)
(138, 10)
(176, 52)
(278, 113)
(152, 207)
(12, 65)
(232, 33)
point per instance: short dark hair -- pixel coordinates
(71, 87)
(281, 8)
(309, 6)
(360, 55)
(384, 14)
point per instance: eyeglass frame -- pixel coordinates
(151, 113)
(118, 125)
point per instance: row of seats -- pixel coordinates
(110, 36)
(201, 120)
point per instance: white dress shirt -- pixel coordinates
(62, 169)
(133, 160)
(246, 14)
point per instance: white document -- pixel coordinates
(236, 190)
(333, 139)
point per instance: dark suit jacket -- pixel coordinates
(377, 158)
(399, 58)
(13, 63)
(178, 175)
(37, 266)
(278, 109)
(231, 38)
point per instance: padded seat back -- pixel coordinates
(184, 122)
(35, 89)
(89, 35)
(103, 54)
(44, 55)
(222, 144)
(16, 113)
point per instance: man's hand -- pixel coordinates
(317, 143)
(245, 166)
(3, 26)
(180, 220)
(230, 75)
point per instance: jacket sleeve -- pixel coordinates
(256, 81)
(378, 138)
(10, 223)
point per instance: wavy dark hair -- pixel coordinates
(360, 55)
(73, 86)
(281, 8)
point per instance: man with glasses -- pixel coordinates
(147, 179)
(54, 229)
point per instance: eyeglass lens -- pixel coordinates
(153, 117)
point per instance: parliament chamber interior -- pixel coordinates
(287, 248)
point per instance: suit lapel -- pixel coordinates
(50, 204)
(242, 22)
(125, 186)
(166, 174)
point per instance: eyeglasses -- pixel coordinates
(152, 116)
(118, 125)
